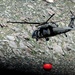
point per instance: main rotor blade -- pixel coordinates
(46, 20)
(24, 22)
(50, 17)
(40, 23)
(71, 12)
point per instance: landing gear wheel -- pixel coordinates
(47, 39)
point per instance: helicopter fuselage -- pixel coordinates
(49, 31)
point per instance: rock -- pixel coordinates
(15, 29)
(57, 49)
(12, 44)
(17, 52)
(30, 6)
(26, 36)
(1, 54)
(51, 1)
(73, 1)
(50, 11)
(21, 44)
(29, 28)
(12, 38)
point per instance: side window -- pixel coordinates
(46, 31)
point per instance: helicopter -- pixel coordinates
(49, 29)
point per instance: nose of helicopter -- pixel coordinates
(34, 34)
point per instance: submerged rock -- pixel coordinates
(12, 44)
(57, 49)
(73, 1)
(51, 1)
(11, 38)
(1, 54)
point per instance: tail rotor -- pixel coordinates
(71, 24)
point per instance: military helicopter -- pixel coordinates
(48, 29)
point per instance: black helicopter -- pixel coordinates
(48, 29)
